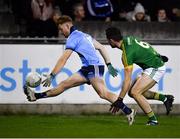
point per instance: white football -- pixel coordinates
(33, 79)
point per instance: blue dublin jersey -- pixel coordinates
(82, 44)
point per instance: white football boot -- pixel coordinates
(29, 93)
(131, 116)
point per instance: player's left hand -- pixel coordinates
(116, 105)
(112, 70)
(48, 80)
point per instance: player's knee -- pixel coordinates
(63, 84)
(133, 93)
(129, 93)
(102, 94)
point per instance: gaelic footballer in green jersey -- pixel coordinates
(141, 53)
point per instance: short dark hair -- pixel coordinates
(64, 19)
(113, 33)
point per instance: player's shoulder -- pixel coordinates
(74, 36)
(130, 40)
(78, 35)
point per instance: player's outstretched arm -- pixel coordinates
(62, 61)
(127, 81)
(106, 57)
(102, 50)
(59, 65)
(125, 88)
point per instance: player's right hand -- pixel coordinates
(116, 105)
(48, 80)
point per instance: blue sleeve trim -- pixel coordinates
(69, 48)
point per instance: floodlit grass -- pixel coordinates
(101, 126)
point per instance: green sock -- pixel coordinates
(151, 116)
(158, 96)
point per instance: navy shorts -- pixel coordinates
(92, 71)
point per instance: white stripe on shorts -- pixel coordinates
(96, 68)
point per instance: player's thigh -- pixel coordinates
(75, 80)
(99, 85)
(142, 84)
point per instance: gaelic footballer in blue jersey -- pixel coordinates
(92, 67)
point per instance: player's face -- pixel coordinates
(64, 29)
(111, 42)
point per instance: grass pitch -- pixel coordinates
(99, 126)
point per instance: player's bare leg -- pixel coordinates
(166, 99)
(141, 85)
(75, 80)
(99, 85)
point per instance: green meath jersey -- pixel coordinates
(140, 53)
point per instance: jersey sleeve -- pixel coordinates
(71, 44)
(127, 56)
(127, 61)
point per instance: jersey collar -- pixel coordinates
(73, 28)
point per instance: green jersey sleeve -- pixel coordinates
(127, 55)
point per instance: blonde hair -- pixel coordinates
(63, 19)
